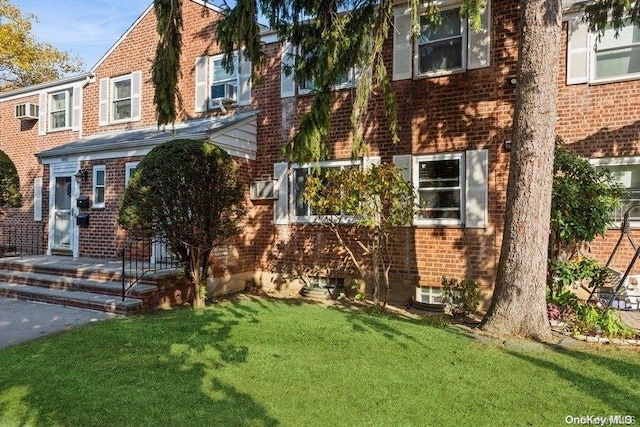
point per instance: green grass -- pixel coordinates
(264, 362)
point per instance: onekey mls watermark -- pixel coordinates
(599, 420)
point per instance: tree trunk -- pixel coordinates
(518, 307)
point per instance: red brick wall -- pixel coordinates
(465, 111)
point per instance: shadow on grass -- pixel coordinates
(578, 373)
(155, 369)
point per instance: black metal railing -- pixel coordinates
(21, 239)
(141, 256)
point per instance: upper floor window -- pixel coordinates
(288, 86)
(215, 86)
(301, 211)
(617, 57)
(441, 47)
(224, 84)
(120, 98)
(609, 58)
(60, 110)
(450, 46)
(346, 80)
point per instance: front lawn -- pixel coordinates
(264, 362)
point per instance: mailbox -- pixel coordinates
(83, 202)
(82, 220)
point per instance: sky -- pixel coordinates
(87, 29)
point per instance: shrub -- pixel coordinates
(463, 297)
(9, 183)
(187, 192)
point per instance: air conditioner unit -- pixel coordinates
(225, 92)
(263, 190)
(27, 111)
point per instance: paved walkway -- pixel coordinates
(22, 321)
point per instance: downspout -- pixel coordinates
(87, 80)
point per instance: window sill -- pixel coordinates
(56, 130)
(614, 80)
(121, 121)
(418, 76)
(316, 221)
(421, 223)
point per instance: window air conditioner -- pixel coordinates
(225, 92)
(27, 111)
(263, 190)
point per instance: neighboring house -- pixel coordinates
(455, 91)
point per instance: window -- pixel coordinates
(627, 171)
(288, 83)
(618, 57)
(301, 210)
(99, 185)
(129, 169)
(439, 181)
(441, 48)
(224, 85)
(121, 98)
(60, 110)
(347, 80)
(429, 295)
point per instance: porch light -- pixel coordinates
(81, 175)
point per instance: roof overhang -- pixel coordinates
(235, 133)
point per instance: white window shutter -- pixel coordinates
(287, 82)
(104, 101)
(577, 51)
(479, 42)
(476, 200)
(37, 199)
(136, 95)
(281, 205)
(369, 161)
(42, 114)
(202, 90)
(76, 115)
(244, 80)
(402, 46)
(404, 162)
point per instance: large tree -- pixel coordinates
(187, 193)
(24, 60)
(518, 306)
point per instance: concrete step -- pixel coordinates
(107, 270)
(94, 301)
(55, 281)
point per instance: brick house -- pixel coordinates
(455, 91)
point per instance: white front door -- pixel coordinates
(63, 193)
(63, 213)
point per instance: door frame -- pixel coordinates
(59, 170)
